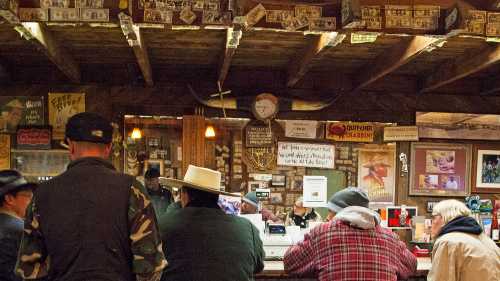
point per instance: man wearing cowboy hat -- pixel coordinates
(374, 180)
(90, 222)
(200, 239)
(15, 196)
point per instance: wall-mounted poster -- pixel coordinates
(486, 169)
(4, 151)
(20, 111)
(440, 169)
(61, 107)
(350, 131)
(313, 155)
(377, 173)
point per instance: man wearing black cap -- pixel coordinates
(91, 222)
(352, 246)
(160, 196)
(15, 196)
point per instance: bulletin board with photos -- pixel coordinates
(440, 169)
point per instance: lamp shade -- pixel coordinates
(210, 132)
(136, 133)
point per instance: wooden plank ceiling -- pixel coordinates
(430, 65)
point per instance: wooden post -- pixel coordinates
(193, 141)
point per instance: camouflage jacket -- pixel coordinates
(145, 244)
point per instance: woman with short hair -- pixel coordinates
(462, 252)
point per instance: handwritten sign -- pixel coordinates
(34, 138)
(350, 131)
(258, 136)
(306, 155)
(301, 129)
(61, 108)
(401, 133)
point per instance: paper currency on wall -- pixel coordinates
(475, 27)
(96, 15)
(54, 4)
(197, 5)
(493, 17)
(255, 15)
(477, 16)
(212, 6)
(370, 11)
(425, 23)
(64, 14)
(398, 22)
(426, 11)
(215, 17)
(295, 23)
(33, 14)
(323, 24)
(96, 4)
(278, 16)
(158, 16)
(187, 15)
(398, 11)
(310, 12)
(493, 29)
(373, 23)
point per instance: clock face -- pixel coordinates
(265, 107)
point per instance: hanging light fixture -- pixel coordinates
(210, 132)
(136, 134)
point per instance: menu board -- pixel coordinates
(306, 155)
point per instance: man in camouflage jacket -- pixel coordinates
(91, 222)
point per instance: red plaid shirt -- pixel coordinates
(337, 251)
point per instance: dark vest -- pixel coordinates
(84, 222)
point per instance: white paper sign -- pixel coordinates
(314, 191)
(261, 177)
(301, 129)
(306, 155)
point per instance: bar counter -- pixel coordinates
(274, 270)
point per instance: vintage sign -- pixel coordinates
(398, 16)
(323, 24)
(306, 155)
(278, 16)
(255, 15)
(259, 136)
(19, 110)
(4, 151)
(350, 131)
(301, 129)
(401, 133)
(34, 138)
(158, 16)
(61, 107)
(493, 25)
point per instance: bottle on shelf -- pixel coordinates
(495, 230)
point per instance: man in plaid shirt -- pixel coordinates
(351, 247)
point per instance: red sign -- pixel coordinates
(34, 138)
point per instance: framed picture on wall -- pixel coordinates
(377, 173)
(486, 169)
(154, 163)
(440, 169)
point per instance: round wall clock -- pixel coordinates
(265, 107)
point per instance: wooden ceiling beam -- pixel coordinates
(39, 35)
(232, 41)
(390, 60)
(135, 40)
(462, 67)
(316, 47)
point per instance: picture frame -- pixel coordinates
(394, 219)
(486, 168)
(278, 180)
(440, 169)
(377, 173)
(154, 163)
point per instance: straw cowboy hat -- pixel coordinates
(377, 159)
(202, 179)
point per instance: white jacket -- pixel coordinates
(459, 256)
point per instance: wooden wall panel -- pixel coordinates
(193, 141)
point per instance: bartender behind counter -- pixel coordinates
(301, 216)
(250, 205)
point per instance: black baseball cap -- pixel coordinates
(90, 127)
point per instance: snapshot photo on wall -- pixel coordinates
(440, 169)
(486, 169)
(376, 173)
